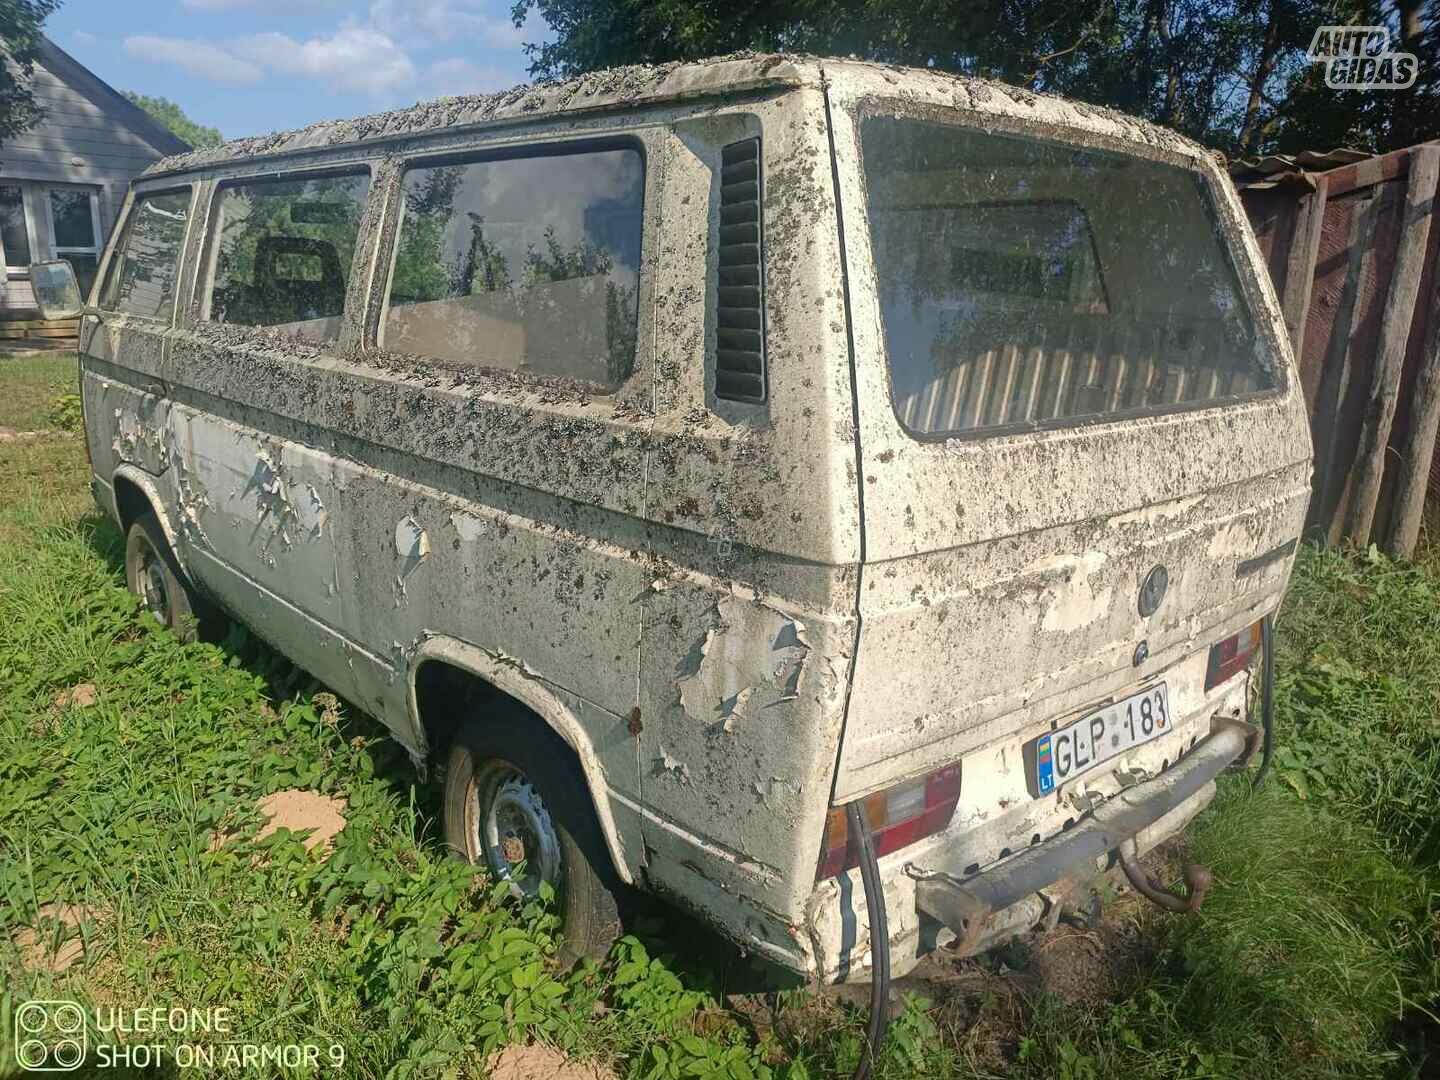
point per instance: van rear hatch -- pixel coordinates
(1069, 373)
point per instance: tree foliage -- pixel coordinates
(170, 116)
(20, 37)
(1230, 73)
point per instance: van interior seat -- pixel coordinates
(271, 299)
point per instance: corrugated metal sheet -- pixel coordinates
(1276, 170)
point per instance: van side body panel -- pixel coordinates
(665, 578)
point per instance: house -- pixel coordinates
(62, 182)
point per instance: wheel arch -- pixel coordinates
(135, 492)
(508, 678)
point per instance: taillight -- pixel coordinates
(1231, 656)
(898, 816)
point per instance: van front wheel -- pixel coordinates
(517, 803)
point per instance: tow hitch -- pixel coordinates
(968, 904)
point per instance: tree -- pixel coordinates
(173, 118)
(20, 37)
(1231, 73)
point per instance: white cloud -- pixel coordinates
(456, 75)
(287, 7)
(84, 37)
(370, 57)
(354, 58)
(198, 58)
(484, 22)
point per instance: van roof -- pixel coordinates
(640, 85)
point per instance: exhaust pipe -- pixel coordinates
(1198, 880)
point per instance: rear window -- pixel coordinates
(282, 251)
(531, 264)
(1023, 282)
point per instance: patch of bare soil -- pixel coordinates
(53, 943)
(82, 696)
(1074, 965)
(538, 1062)
(298, 810)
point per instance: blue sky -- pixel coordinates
(253, 66)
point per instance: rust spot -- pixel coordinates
(635, 726)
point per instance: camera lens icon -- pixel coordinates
(50, 1036)
(67, 1018)
(32, 1054)
(67, 1054)
(32, 1018)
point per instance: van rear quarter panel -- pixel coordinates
(753, 528)
(1002, 571)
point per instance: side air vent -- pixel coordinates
(740, 305)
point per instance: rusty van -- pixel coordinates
(845, 501)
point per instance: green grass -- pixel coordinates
(32, 386)
(1314, 957)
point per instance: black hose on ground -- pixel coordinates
(1267, 699)
(879, 941)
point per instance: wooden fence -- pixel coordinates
(1353, 252)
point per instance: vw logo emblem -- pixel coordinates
(1152, 590)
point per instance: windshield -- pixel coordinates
(1024, 281)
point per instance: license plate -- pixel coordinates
(1078, 747)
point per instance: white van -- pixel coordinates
(767, 482)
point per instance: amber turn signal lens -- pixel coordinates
(897, 816)
(1231, 656)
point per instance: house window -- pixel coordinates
(14, 236)
(74, 217)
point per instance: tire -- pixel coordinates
(511, 779)
(156, 580)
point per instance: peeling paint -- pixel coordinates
(1076, 602)
(468, 527)
(749, 653)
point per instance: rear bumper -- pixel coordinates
(1073, 858)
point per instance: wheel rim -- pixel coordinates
(512, 830)
(150, 584)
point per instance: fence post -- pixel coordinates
(1419, 448)
(1394, 334)
(1300, 266)
(1329, 484)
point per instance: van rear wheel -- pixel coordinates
(517, 803)
(154, 577)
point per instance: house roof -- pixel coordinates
(75, 74)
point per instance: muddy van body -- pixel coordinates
(678, 456)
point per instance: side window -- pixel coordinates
(141, 277)
(530, 264)
(281, 252)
